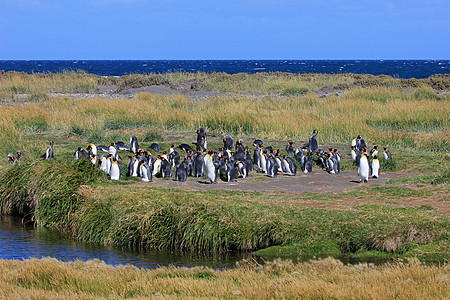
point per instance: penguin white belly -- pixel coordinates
(353, 155)
(375, 168)
(210, 168)
(144, 173)
(102, 164)
(115, 172)
(364, 169)
(331, 164)
(108, 166)
(156, 167)
(135, 168)
(287, 167)
(264, 164)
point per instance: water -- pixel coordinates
(395, 68)
(18, 241)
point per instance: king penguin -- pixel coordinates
(290, 150)
(228, 142)
(211, 169)
(312, 145)
(134, 146)
(115, 171)
(375, 167)
(387, 154)
(307, 163)
(145, 171)
(11, 158)
(180, 173)
(201, 139)
(166, 170)
(364, 169)
(49, 152)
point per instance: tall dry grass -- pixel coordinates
(384, 116)
(38, 86)
(324, 279)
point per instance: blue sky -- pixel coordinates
(242, 29)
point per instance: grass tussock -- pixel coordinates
(46, 190)
(323, 279)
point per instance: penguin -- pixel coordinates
(102, 162)
(336, 153)
(198, 165)
(166, 170)
(133, 166)
(11, 158)
(211, 170)
(188, 165)
(263, 161)
(387, 154)
(109, 160)
(360, 142)
(323, 158)
(374, 151)
(157, 166)
(145, 171)
(240, 142)
(103, 148)
(334, 164)
(186, 147)
(228, 142)
(93, 159)
(155, 147)
(257, 143)
(115, 171)
(289, 165)
(181, 173)
(248, 161)
(241, 168)
(375, 167)
(80, 153)
(174, 156)
(189, 153)
(49, 152)
(201, 139)
(299, 152)
(240, 152)
(113, 151)
(230, 171)
(122, 146)
(354, 153)
(20, 155)
(307, 163)
(272, 167)
(278, 159)
(290, 149)
(364, 169)
(134, 146)
(312, 145)
(92, 149)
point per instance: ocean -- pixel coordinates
(396, 68)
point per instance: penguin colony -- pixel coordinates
(230, 162)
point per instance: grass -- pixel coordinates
(319, 279)
(408, 116)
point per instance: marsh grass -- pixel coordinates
(319, 279)
(45, 189)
